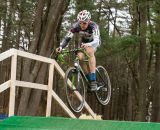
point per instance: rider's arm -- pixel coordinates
(96, 36)
(68, 37)
(66, 40)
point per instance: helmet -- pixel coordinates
(84, 16)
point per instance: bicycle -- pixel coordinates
(74, 83)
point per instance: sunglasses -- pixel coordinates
(83, 23)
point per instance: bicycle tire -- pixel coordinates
(104, 93)
(76, 86)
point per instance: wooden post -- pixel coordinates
(50, 84)
(12, 87)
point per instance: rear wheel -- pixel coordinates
(103, 93)
(75, 86)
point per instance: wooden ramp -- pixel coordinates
(59, 123)
(52, 65)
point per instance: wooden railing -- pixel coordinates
(12, 83)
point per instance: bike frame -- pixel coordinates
(79, 69)
(78, 66)
(80, 76)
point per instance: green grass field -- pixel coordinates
(60, 123)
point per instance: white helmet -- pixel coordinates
(84, 16)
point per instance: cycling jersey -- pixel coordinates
(90, 35)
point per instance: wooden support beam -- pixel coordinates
(31, 85)
(34, 57)
(50, 85)
(12, 87)
(5, 85)
(61, 103)
(7, 54)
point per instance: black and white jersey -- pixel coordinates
(90, 35)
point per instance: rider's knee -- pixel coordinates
(80, 56)
(90, 51)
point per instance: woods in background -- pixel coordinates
(130, 51)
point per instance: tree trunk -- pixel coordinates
(5, 45)
(134, 82)
(142, 62)
(35, 95)
(56, 9)
(156, 84)
(27, 63)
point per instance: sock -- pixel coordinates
(92, 76)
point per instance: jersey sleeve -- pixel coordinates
(66, 39)
(69, 35)
(96, 35)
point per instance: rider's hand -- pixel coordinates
(59, 49)
(85, 45)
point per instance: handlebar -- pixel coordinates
(55, 55)
(76, 50)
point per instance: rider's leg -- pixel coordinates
(92, 67)
(84, 66)
(92, 60)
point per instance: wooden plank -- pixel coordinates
(58, 68)
(7, 54)
(13, 87)
(5, 85)
(50, 85)
(31, 85)
(61, 103)
(34, 56)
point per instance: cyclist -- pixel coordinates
(90, 40)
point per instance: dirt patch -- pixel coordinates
(84, 116)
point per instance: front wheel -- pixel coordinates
(75, 86)
(103, 93)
